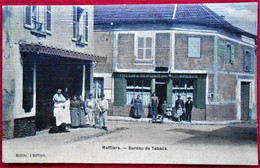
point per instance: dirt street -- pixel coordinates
(137, 142)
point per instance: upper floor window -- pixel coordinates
(38, 19)
(144, 48)
(227, 51)
(230, 54)
(80, 25)
(194, 47)
(248, 61)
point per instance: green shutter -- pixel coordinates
(200, 93)
(232, 55)
(152, 86)
(221, 48)
(120, 91)
(169, 93)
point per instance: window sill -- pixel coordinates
(79, 43)
(38, 32)
(148, 62)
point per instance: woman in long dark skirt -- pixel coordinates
(154, 105)
(82, 113)
(74, 112)
(138, 107)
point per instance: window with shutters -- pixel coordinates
(194, 47)
(248, 61)
(38, 19)
(80, 26)
(144, 44)
(230, 52)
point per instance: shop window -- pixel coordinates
(80, 26)
(144, 48)
(194, 47)
(136, 87)
(248, 61)
(38, 19)
(98, 87)
(182, 87)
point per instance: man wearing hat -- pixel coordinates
(188, 107)
(179, 106)
(103, 108)
(90, 108)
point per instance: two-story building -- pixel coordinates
(175, 49)
(44, 48)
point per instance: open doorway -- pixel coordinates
(161, 92)
(53, 73)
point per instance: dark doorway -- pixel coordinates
(161, 92)
(53, 73)
(245, 86)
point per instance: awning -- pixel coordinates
(41, 49)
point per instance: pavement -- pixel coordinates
(168, 121)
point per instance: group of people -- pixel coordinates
(79, 113)
(181, 108)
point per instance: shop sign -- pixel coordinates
(141, 75)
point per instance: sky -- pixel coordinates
(242, 15)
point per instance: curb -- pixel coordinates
(148, 120)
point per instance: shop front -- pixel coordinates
(167, 87)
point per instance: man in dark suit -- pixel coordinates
(188, 107)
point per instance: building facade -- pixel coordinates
(185, 50)
(44, 48)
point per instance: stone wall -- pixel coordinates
(8, 129)
(198, 114)
(222, 112)
(24, 127)
(238, 65)
(126, 52)
(127, 111)
(183, 62)
(226, 88)
(103, 46)
(162, 49)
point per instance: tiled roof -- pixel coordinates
(42, 49)
(197, 14)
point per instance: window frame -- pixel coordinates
(46, 19)
(41, 18)
(190, 55)
(79, 25)
(145, 36)
(230, 57)
(251, 69)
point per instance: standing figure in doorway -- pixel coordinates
(91, 107)
(188, 107)
(59, 106)
(138, 107)
(103, 108)
(154, 105)
(82, 113)
(74, 112)
(179, 106)
(67, 105)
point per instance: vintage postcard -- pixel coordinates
(153, 84)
